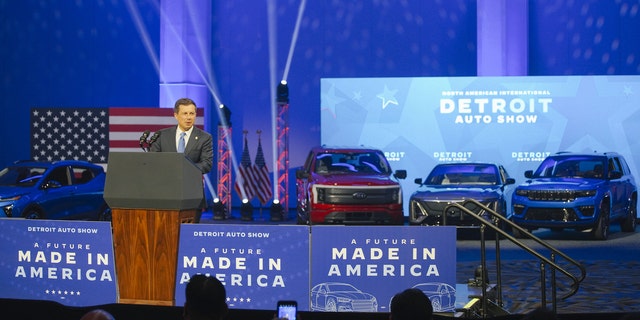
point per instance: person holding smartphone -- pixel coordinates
(287, 310)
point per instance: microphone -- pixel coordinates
(154, 137)
(143, 138)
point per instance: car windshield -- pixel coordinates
(352, 162)
(20, 176)
(341, 287)
(571, 167)
(467, 174)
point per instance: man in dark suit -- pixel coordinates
(197, 144)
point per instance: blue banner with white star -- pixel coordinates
(258, 264)
(513, 121)
(62, 261)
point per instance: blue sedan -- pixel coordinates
(68, 189)
(447, 183)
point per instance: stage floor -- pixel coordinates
(613, 267)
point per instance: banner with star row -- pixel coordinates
(323, 268)
(69, 262)
(513, 121)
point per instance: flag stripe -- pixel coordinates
(126, 125)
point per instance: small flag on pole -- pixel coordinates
(245, 182)
(263, 182)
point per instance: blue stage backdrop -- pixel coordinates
(70, 262)
(514, 121)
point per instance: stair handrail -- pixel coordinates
(576, 280)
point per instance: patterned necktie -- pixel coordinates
(181, 142)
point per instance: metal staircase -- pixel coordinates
(549, 266)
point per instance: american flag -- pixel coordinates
(245, 181)
(263, 182)
(89, 134)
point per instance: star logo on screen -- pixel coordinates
(331, 99)
(628, 91)
(388, 97)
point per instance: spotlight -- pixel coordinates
(282, 94)
(219, 210)
(246, 210)
(277, 211)
(226, 113)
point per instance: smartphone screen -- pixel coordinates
(287, 309)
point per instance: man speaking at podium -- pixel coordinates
(196, 144)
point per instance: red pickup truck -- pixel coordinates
(348, 186)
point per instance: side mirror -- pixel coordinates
(400, 174)
(510, 181)
(528, 174)
(51, 184)
(615, 174)
(418, 181)
(302, 174)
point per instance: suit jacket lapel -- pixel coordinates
(193, 141)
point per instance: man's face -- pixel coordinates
(186, 116)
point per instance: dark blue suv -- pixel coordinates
(577, 191)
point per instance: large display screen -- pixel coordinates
(513, 121)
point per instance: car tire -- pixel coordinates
(629, 223)
(105, 214)
(517, 233)
(300, 214)
(601, 229)
(33, 212)
(437, 305)
(331, 306)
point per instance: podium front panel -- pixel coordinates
(152, 180)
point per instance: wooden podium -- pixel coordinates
(150, 195)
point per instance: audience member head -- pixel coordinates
(205, 298)
(97, 314)
(411, 304)
(540, 313)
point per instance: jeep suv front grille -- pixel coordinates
(551, 195)
(551, 214)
